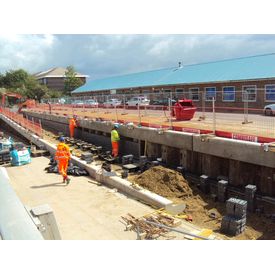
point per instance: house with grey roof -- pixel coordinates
(54, 78)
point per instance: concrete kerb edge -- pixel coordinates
(95, 172)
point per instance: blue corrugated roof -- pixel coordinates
(245, 68)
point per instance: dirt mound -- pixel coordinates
(165, 182)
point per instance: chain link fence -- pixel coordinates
(234, 112)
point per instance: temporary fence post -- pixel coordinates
(203, 105)
(116, 112)
(170, 118)
(145, 110)
(245, 109)
(139, 118)
(214, 115)
(124, 105)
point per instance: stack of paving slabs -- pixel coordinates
(234, 222)
(222, 190)
(87, 146)
(142, 163)
(88, 157)
(5, 156)
(250, 196)
(127, 159)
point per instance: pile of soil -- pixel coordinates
(172, 185)
(165, 182)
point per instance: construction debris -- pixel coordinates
(149, 231)
(72, 169)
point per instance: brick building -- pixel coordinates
(54, 78)
(231, 82)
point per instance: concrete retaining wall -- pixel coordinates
(242, 162)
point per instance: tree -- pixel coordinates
(15, 79)
(1, 80)
(71, 82)
(34, 90)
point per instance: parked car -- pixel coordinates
(112, 102)
(162, 101)
(138, 100)
(91, 103)
(77, 102)
(269, 110)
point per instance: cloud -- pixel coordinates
(107, 55)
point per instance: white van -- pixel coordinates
(138, 100)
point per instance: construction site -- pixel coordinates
(174, 179)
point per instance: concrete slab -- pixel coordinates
(83, 209)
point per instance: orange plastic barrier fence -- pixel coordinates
(32, 126)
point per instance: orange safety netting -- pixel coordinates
(31, 125)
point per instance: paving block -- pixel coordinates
(250, 196)
(236, 207)
(232, 226)
(86, 155)
(127, 159)
(142, 160)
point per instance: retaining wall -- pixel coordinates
(241, 161)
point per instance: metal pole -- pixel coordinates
(203, 104)
(139, 114)
(116, 113)
(170, 118)
(245, 110)
(214, 115)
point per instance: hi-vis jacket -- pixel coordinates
(114, 136)
(72, 122)
(62, 152)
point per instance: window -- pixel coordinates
(194, 94)
(167, 91)
(269, 92)
(228, 94)
(179, 93)
(44, 81)
(249, 93)
(210, 93)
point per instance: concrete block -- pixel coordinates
(204, 184)
(127, 159)
(232, 226)
(250, 196)
(236, 208)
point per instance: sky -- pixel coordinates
(106, 55)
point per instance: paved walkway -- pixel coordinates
(83, 209)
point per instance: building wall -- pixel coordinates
(237, 103)
(56, 83)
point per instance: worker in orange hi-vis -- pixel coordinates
(115, 141)
(63, 156)
(72, 125)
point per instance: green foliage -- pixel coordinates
(71, 82)
(53, 94)
(15, 79)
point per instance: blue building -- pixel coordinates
(225, 80)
